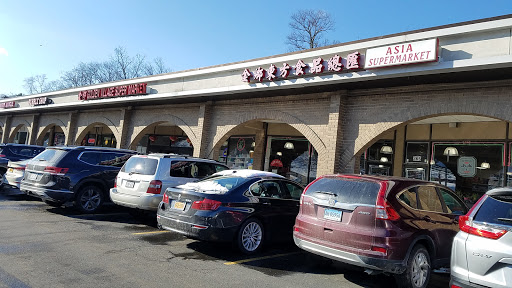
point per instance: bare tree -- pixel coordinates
(122, 62)
(36, 84)
(308, 29)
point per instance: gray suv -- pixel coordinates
(143, 179)
(482, 250)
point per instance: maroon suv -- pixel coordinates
(384, 224)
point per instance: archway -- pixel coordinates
(20, 135)
(268, 145)
(97, 134)
(52, 135)
(163, 137)
(467, 153)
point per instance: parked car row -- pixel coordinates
(404, 227)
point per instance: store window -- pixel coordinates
(470, 169)
(293, 158)
(378, 159)
(237, 152)
(416, 160)
(165, 144)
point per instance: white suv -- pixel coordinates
(143, 178)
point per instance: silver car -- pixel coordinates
(482, 250)
(15, 172)
(143, 179)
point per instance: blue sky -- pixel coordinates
(52, 36)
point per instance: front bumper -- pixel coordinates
(378, 264)
(144, 201)
(196, 231)
(462, 283)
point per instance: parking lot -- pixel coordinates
(42, 246)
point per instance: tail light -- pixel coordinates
(56, 170)
(19, 168)
(166, 198)
(2, 155)
(115, 183)
(466, 224)
(305, 189)
(380, 249)
(155, 187)
(384, 210)
(206, 204)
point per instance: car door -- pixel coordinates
(276, 207)
(434, 220)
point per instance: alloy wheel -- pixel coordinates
(90, 200)
(251, 236)
(420, 269)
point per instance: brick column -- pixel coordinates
(398, 151)
(6, 129)
(204, 125)
(72, 120)
(126, 115)
(33, 129)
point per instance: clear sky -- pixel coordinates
(52, 36)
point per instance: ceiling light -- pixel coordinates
(279, 153)
(288, 145)
(384, 159)
(386, 149)
(451, 151)
(485, 165)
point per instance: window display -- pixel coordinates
(237, 152)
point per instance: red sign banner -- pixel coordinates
(124, 90)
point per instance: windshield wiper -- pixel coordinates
(134, 172)
(505, 219)
(326, 192)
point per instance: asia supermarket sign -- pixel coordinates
(402, 54)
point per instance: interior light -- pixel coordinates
(386, 149)
(288, 145)
(279, 153)
(384, 159)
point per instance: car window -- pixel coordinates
(219, 168)
(183, 169)
(267, 189)
(204, 169)
(294, 190)
(409, 197)
(113, 159)
(429, 200)
(50, 155)
(496, 210)
(92, 158)
(350, 191)
(453, 205)
(139, 165)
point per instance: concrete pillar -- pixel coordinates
(34, 127)
(72, 121)
(204, 125)
(258, 155)
(6, 129)
(399, 151)
(126, 115)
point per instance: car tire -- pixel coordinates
(418, 270)
(250, 236)
(52, 203)
(89, 199)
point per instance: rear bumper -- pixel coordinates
(48, 194)
(464, 284)
(201, 232)
(378, 264)
(13, 179)
(144, 201)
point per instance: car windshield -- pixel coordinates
(139, 165)
(50, 155)
(215, 185)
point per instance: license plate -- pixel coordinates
(332, 214)
(32, 176)
(129, 184)
(178, 205)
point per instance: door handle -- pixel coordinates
(428, 219)
(265, 203)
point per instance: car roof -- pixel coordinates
(22, 145)
(92, 148)
(179, 156)
(247, 173)
(502, 191)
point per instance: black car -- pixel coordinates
(246, 207)
(82, 175)
(17, 152)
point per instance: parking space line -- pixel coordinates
(259, 258)
(152, 232)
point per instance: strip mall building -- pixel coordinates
(434, 104)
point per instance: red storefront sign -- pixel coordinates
(124, 90)
(38, 101)
(9, 104)
(333, 65)
(402, 54)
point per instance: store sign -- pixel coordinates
(334, 65)
(402, 54)
(466, 166)
(39, 101)
(124, 90)
(91, 141)
(9, 104)
(276, 163)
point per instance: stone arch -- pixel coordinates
(42, 132)
(16, 129)
(147, 130)
(281, 116)
(154, 120)
(83, 131)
